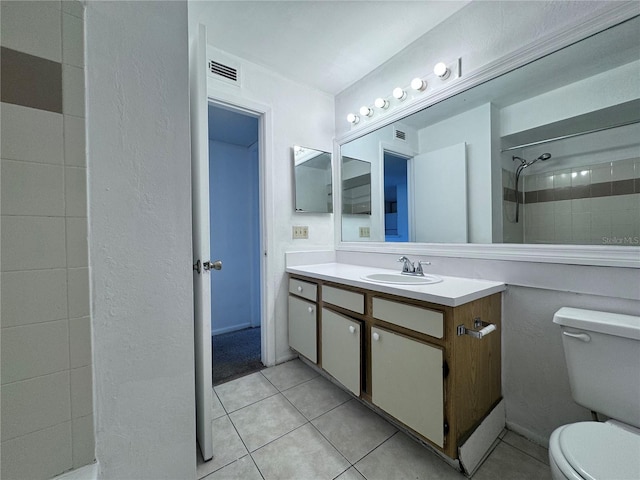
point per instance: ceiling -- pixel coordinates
(328, 45)
(232, 127)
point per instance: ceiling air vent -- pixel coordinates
(399, 135)
(226, 72)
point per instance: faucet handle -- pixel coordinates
(419, 270)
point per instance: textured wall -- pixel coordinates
(47, 411)
(140, 241)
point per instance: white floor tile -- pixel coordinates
(509, 462)
(301, 454)
(265, 421)
(401, 458)
(244, 391)
(315, 397)
(289, 374)
(354, 429)
(242, 469)
(227, 447)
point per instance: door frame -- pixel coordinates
(266, 208)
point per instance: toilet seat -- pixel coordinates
(596, 451)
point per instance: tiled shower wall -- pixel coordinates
(590, 205)
(47, 404)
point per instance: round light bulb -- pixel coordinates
(366, 111)
(353, 118)
(441, 70)
(381, 103)
(418, 84)
(399, 93)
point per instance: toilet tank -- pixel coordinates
(602, 351)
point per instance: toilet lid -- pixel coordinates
(599, 451)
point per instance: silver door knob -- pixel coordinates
(217, 265)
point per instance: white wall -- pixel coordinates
(613, 87)
(235, 239)
(298, 115)
(140, 238)
(474, 128)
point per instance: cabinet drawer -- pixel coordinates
(303, 289)
(341, 340)
(343, 298)
(423, 320)
(303, 328)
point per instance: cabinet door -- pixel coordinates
(302, 327)
(341, 349)
(406, 382)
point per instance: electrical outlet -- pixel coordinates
(364, 232)
(300, 231)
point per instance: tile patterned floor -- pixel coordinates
(288, 422)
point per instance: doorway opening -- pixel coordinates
(234, 191)
(396, 198)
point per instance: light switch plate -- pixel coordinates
(300, 231)
(365, 232)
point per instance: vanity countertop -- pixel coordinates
(452, 291)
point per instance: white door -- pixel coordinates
(201, 242)
(440, 208)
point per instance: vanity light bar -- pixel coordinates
(441, 71)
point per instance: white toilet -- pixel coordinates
(602, 351)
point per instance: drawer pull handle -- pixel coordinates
(310, 309)
(352, 329)
(299, 288)
(376, 337)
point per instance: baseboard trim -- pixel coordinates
(219, 331)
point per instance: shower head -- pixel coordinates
(524, 163)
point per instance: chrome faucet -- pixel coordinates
(409, 268)
(407, 265)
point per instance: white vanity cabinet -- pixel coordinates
(408, 357)
(407, 382)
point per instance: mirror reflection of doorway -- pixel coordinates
(234, 189)
(396, 199)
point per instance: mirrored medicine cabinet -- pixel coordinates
(312, 180)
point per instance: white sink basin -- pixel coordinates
(399, 279)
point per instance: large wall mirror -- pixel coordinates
(546, 154)
(312, 173)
